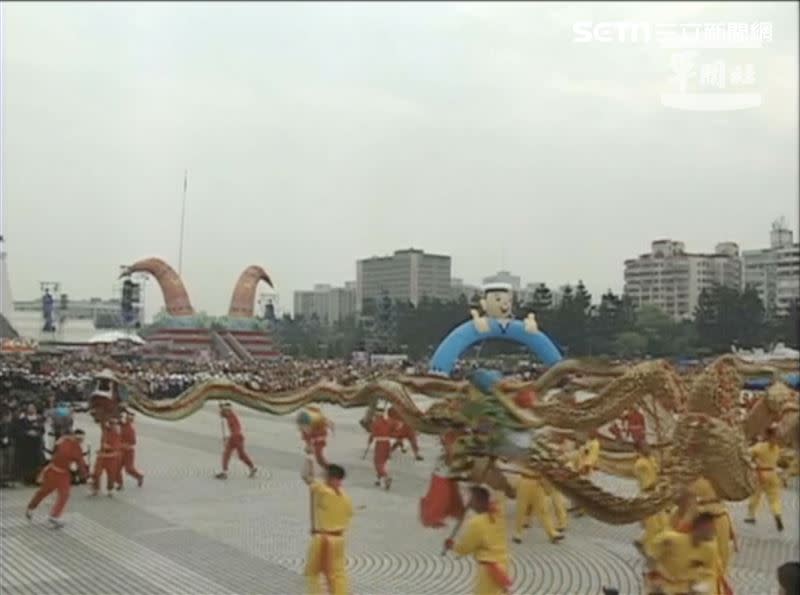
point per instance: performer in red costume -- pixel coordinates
(128, 436)
(381, 433)
(403, 431)
(634, 424)
(235, 442)
(56, 475)
(443, 499)
(108, 458)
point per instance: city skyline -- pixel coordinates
(481, 131)
(525, 283)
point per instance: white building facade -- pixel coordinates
(672, 279)
(329, 304)
(407, 276)
(774, 272)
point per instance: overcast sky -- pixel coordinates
(321, 133)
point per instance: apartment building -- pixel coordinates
(672, 279)
(774, 272)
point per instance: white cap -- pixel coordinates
(497, 287)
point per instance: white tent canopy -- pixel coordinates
(115, 337)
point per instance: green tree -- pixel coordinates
(607, 322)
(751, 315)
(657, 328)
(630, 344)
(706, 318)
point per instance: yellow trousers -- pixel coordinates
(315, 567)
(484, 583)
(531, 498)
(653, 525)
(558, 503)
(770, 484)
(722, 527)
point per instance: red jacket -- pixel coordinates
(128, 434)
(110, 441)
(382, 427)
(68, 451)
(234, 425)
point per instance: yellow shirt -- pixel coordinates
(680, 560)
(332, 511)
(590, 454)
(646, 471)
(484, 537)
(766, 455)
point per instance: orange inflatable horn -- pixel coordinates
(244, 294)
(176, 299)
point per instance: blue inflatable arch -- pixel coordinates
(466, 335)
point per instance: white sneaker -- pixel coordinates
(29, 514)
(56, 523)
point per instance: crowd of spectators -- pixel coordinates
(33, 387)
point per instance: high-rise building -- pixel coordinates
(329, 304)
(775, 271)
(671, 278)
(407, 275)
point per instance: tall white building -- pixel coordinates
(330, 304)
(671, 278)
(775, 271)
(407, 275)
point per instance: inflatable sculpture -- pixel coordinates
(176, 298)
(493, 321)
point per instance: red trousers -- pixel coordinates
(442, 500)
(128, 456)
(110, 464)
(383, 451)
(637, 433)
(53, 480)
(235, 443)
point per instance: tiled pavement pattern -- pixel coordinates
(185, 532)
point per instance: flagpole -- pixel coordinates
(183, 219)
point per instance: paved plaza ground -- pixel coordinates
(185, 532)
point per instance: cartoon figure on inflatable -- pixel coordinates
(495, 322)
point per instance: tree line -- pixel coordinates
(611, 327)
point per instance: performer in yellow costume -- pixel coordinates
(765, 455)
(331, 511)
(585, 460)
(646, 471)
(558, 503)
(589, 455)
(532, 499)
(682, 563)
(484, 538)
(709, 502)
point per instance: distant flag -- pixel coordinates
(185, 179)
